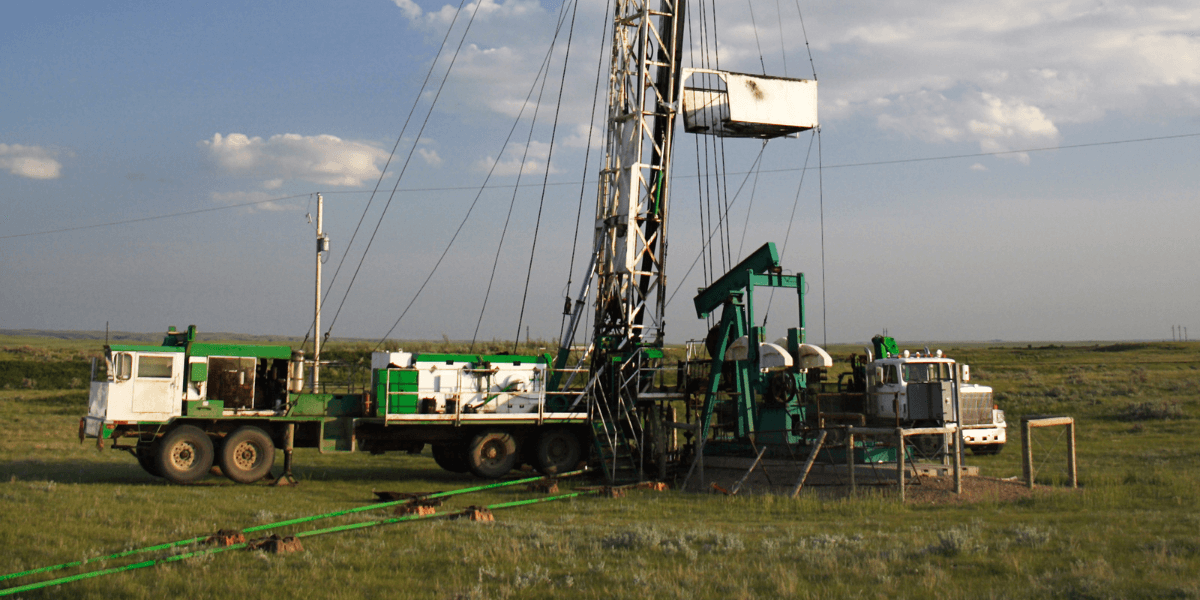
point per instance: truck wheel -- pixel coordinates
(492, 454)
(147, 457)
(185, 454)
(557, 452)
(247, 455)
(451, 457)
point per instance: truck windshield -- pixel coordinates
(926, 372)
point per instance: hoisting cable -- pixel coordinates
(754, 27)
(806, 46)
(587, 153)
(704, 182)
(722, 173)
(782, 44)
(821, 196)
(383, 173)
(296, 521)
(707, 242)
(817, 133)
(301, 534)
(404, 167)
(750, 208)
(462, 223)
(543, 75)
(546, 178)
(788, 235)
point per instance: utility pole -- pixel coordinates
(322, 246)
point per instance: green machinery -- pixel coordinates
(764, 404)
(760, 395)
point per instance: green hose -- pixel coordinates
(189, 541)
(314, 532)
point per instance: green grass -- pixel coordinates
(1130, 531)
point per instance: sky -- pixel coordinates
(1014, 170)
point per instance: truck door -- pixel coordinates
(157, 383)
(889, 390)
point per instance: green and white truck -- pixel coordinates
(186, 405)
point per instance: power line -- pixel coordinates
(155, 218)
(561, 183)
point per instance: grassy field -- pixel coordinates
(1130, 531)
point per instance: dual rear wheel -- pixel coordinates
(186, 453)
(492, 454)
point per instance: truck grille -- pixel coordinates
(976, 407)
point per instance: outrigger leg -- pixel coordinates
(289, 440)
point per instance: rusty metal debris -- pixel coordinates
(418, 506)
(276, 544)
(476, 513)
(653, 486)
(546, 487)
(393, 496)
(226, 537)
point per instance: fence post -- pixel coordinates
(1071, 455)
(958, 448)
(850, 456)
(1026, 453)
(900, 461)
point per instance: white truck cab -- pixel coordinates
(919, 388)
(138, 386)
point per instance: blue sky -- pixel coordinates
(117, 112)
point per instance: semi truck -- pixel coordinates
(889, 387)
(186, 405)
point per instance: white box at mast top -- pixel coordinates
(728, 104)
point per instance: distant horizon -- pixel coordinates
(229, 335)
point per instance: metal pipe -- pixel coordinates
(316, 370)
(239, 546)
(296, 521)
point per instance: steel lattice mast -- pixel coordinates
(629, 248)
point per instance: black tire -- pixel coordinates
(247, 455)
(558, 451)
(185, 455)
(492, 454)
(147, 457)
(451, 457)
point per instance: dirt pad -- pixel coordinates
(940, 490)
(831, 482)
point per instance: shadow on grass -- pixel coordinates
(64, 471)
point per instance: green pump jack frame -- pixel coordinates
(733, 293)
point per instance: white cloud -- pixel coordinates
(996, 124)
(33, 162)
(978, 167)
(410, 9)
(322, 159)
(431, 157)
(482, 10)
(1003, 73)
(583, 133)
(997, 74)
(534, 160)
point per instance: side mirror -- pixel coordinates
(879, 374)
(124, 366)
(966, 372)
